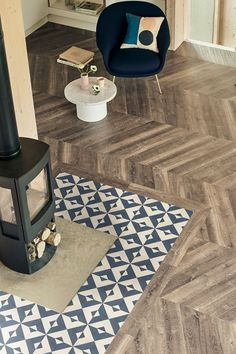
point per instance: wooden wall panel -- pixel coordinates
(175, 12)
(227, 35)
(14, 37)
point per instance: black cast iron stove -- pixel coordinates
(26, 194)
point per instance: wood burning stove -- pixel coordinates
(26, 206)
(28, 238)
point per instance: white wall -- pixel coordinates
(202, 20)
(33, 12)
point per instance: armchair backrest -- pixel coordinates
(112, 24)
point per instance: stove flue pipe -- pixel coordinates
(9, 139)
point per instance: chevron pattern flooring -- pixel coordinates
(179, 147)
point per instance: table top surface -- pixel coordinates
(75, 94)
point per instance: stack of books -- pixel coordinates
(75, 56)
(87, 7)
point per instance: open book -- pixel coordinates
(76, 55)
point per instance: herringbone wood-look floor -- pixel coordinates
(179, 147)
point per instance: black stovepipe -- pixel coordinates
(9, 139)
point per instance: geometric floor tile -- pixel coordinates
(146, 230)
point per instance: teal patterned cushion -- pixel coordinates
(130, 40)
(142, 32)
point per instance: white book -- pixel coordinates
(88, 7)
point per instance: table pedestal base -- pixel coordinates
(91, 112)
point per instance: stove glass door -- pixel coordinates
(7, 210)
(37, 193)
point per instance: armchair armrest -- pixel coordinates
(163, 40)
(111, 29)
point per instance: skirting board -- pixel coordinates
(72, 22)
(211, 53)
(36, 26)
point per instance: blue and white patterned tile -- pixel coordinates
(146, 231)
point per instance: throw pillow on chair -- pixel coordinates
(142, 32)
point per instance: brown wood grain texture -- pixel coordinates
(179, 147)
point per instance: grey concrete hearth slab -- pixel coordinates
(80, 251)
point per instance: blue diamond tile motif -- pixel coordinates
(146, 229)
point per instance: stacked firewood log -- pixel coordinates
(48, 236)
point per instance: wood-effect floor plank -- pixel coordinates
(179, 147)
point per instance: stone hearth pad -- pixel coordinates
(55, 285)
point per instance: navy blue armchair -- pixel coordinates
(130, 62)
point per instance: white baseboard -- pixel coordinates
(208, 52)
(72, 22)
(211, 45)
(36, 26)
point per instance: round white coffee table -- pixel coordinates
(90, 107)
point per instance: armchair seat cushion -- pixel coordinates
(134, 62)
